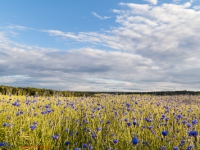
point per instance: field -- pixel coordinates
(111, 122)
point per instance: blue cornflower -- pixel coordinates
(193, 133)
(108, 122)
(164, 133)
(128, 124)
(150, 127)
(163, 148)
(85, 146)
(18, 113)
(175, 148)
(16, 104)
(182, 143)
(55, 137)
(93, 135)
(166, 119)
(90, 147)
(4, 124)
(163, 116)
(67, 143)
(189, 125)
(99, 129)
(135, 141)
(115, 141)
(184, 122)
(33, 127)
(2, 144)
(190, 147)
(195, 121)
(77, 148)
(148, 120)
(134, 123)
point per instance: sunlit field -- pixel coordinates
(111, 122)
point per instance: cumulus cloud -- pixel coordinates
(154, 47)
(72, 69)
(154, 2)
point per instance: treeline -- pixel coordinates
(7, 90)
(29, 91)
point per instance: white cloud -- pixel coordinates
(18, 27)
(176, 1)
(197, 7)
(154, 2)
(100, 17)
(153, 48)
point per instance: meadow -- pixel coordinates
(109, 122)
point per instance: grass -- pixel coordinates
(76, 120)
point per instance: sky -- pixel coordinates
(100, 45)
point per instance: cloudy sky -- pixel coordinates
(100, 45)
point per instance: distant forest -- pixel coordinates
(30, 91)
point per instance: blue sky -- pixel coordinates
(106, 45)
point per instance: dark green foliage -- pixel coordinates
(6, 90)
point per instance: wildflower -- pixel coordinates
(90, 147)
(150, 127)
(193, 133)
(93, 135)
(189, 125)
(135, 141)
(85, 146)
(2, 144)
(32, 127)
(184, 122)
(16, 104)
(55, 137)
(166, 119)
(182, 143)
(163, 148)
(190, 147)
(108, 122)
(194, 121)
(126, 119)
(67, 143)
(128, 124)
(164, 133)
(134, 123)
(4, 124)
(148, 120)
(175, 148)
(163, 117)
(115, 141)
(99, 129)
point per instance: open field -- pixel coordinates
(125, 122)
